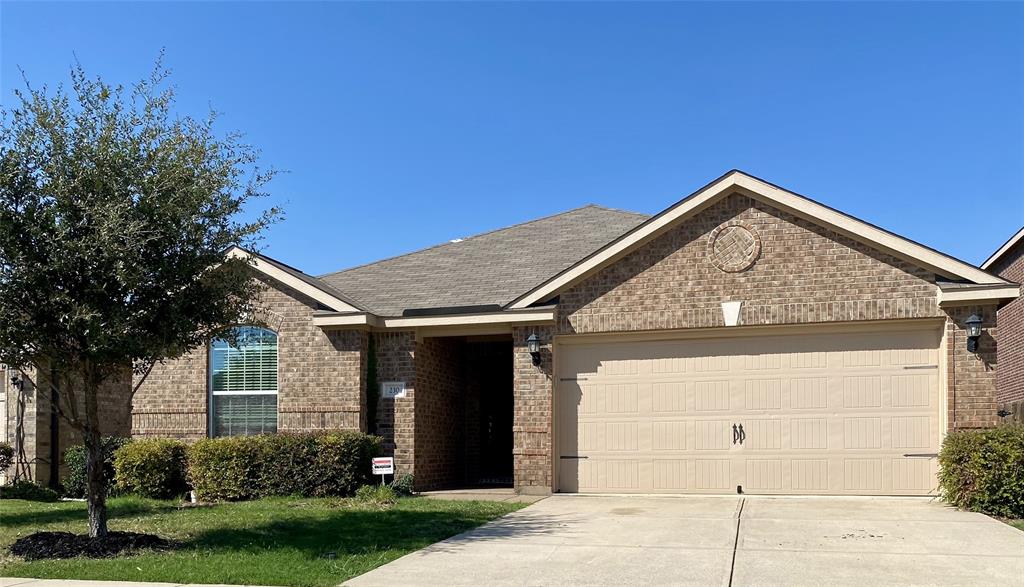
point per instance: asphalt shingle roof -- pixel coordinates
(492, 268)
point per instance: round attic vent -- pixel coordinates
(734, 246)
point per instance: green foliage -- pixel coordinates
(24, 489)
(378, 495)
(116, 213)
(151, 468)
(403, 484)
(276, 541)
(6, 455)
(250, 467)
(983, 470)
(74, 482)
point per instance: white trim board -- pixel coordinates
(968, 296)
(737, 181)
(1002, 250)
(536, 316)
(278, 274)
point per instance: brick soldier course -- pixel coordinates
(431, 317)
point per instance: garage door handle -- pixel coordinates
(743, 435)
(735, 434)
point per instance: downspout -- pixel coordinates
(54, 432)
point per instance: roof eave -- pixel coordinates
(998, 255)
(309, 287)
(539, 315)
(981, 294)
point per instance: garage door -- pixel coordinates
(815, 413)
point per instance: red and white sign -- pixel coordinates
(383, 466)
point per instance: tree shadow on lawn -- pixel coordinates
(66, 515)
(347, 533)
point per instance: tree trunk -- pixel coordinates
(96, 483)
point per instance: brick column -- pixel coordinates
(396, 417)
(971, 376)
(532, 425)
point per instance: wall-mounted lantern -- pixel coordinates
(18, 383)
(973, 325)
(533, 345)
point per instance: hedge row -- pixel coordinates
(983, 470)
(74, 458)
(311, 465)
(238, 468)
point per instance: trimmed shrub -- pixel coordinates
(6, 456)
(311, 465)
(153, 467)
(74, 459)
(403, 484)
(24, 489)
(983, 470)
(379, 495)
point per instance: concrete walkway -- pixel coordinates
(507, 495)
(725, 541)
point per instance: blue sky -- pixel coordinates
(403, 125)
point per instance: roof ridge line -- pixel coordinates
(480, 234)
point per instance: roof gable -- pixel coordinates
(996, 256)
(738, 182)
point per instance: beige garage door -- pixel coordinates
(815, 413)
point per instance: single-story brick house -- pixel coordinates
(1008, 263)
(745, 338)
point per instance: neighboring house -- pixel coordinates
(1008, 263)
(36, 431)
(744, 338)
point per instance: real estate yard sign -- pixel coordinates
(383, 466)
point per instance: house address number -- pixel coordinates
(392, 389)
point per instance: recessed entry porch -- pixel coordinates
(462, 435)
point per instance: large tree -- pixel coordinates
(115, 216)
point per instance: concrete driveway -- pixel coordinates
(582, 540)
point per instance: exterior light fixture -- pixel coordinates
(18, 383)
(973, 324)
(533, 345)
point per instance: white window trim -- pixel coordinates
(209, 380)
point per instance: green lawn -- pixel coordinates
(285, 541)
(1018, 524)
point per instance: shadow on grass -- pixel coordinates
(69, 513)
(347, 533)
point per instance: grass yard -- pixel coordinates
(283, 541)
(1018, 524)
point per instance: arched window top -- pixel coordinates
(243, 382)
(245, 361)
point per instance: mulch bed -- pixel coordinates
(52, 545)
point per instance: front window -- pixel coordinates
(243, 383)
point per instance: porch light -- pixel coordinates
(973, 324)
(533, 345)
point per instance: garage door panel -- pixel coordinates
(821, 413)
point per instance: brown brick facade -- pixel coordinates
(803, 274)
(971, 377)
(440, 421)
(1011, 329)
(784, 269)
(396, 422)
(321, 377)
(533, 413)
(30, 422)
